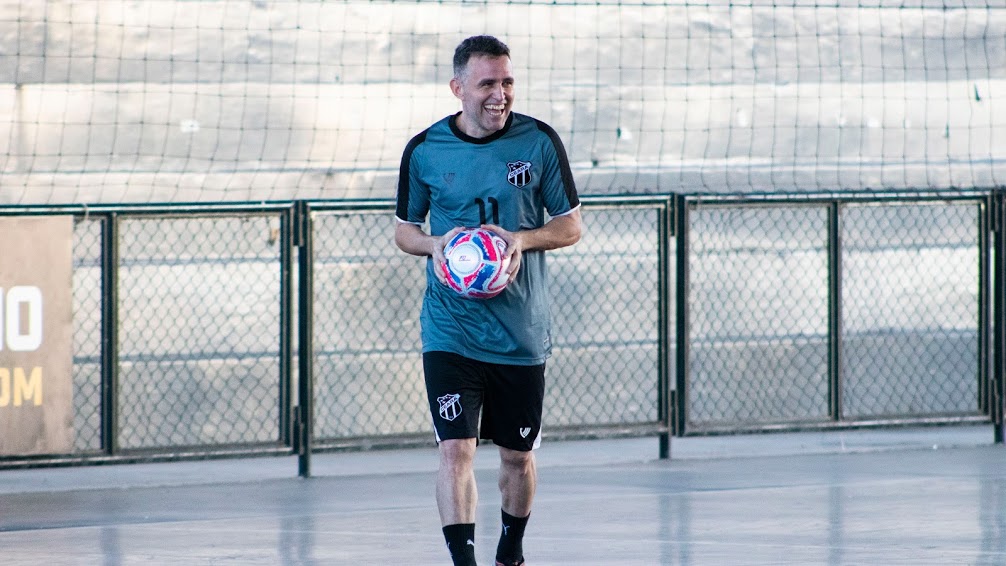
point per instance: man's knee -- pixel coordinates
(517, 461)
(457, 454)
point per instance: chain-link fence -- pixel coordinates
(88, 298)
(911, 335)
(759, 315)
(687, 314)
(181, 337)
(199, 302)
(610, 321)
(368, 379)
(606, 299)
(816, 313)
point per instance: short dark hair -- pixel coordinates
(477, 45)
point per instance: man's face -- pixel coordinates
(485, 89)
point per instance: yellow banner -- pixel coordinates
(36, 335)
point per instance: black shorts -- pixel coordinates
(509, 397)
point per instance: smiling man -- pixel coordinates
(486, 166)
(484, 84)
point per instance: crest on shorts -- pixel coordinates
(519, 174)
(450, 406)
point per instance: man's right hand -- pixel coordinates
(438, 253)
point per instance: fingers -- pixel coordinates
(515, 260)
(512, 241)
(514, 251)
(501, 232)
(447, 237)
(438, 254)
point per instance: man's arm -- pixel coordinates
(558, 232)
(411, 239)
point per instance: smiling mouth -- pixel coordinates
(495, 109)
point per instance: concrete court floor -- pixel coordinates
(927, 496)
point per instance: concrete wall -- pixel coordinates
(115, 100)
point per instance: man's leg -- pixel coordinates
(518, 480)
(455, 391)
(457, 498)
(456, 492)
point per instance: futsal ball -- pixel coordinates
(474, 265)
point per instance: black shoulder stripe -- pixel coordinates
(402, 207)
(565, 170)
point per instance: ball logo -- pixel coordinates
(466, 258)
(474, 265)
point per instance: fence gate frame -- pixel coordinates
(991, 354)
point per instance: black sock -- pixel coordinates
(510, 550)
(461, 543)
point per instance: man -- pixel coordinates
(486, 166)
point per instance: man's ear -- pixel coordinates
(456, 88)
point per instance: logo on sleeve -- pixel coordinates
(519, 174)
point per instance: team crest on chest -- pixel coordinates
(519, 174)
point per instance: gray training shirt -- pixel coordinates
(510, 178)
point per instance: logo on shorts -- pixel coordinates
(524, 431)
(450, 406)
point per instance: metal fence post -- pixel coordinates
(110, 334)
(287, 422)
(835, 310)
(681, 232)
(303, 239)
(666, 412)
(998, 377)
